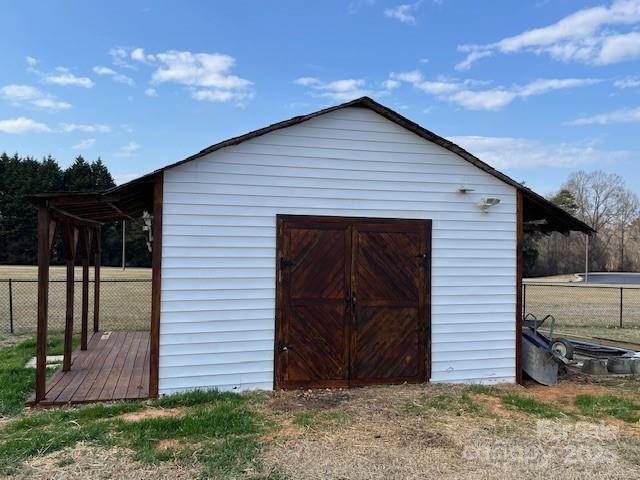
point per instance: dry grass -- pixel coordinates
(29, 272)
(85, 461)
(416, 432)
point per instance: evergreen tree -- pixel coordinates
(78, 177)
(23, 176)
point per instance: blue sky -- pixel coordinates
(537, 89)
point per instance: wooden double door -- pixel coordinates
(353, 301)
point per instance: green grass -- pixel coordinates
(16, 381)
(460, 403)
(218, 430)
(318, 419)
(534, 407)
(625, 409)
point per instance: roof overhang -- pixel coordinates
(119, 203)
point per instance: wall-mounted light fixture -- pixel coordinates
(488, 202)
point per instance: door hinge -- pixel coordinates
(286, 263)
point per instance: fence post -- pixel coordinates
(10, 306)
(621, 290)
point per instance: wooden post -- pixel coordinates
(70, 240)
(45, 234)
(518, 320)
(85, 252)
(96, 278)
(156, 278)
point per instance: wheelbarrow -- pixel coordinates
(541, 354)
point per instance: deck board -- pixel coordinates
(114, 367)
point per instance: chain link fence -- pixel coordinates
(587, 310)
(125, 304)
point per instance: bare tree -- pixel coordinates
(597, 195)
(601, 200)
(627, 214)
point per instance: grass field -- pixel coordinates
(584, 429)
(27, 272)
(587, 310)
(124, 304)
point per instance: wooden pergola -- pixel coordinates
(78, 217)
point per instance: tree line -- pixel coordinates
(23, 176)
(603, 201)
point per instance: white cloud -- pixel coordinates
(541, 86)
(208, 75)
(403, 12)
(510, 152)
(391, 84)
(66, 78)
(151, 92)
(466, 94)
(586, 36)
(26, 94)
(22, 125)
(20, 92)
(84, 144)
(51, 104)
(345, 89)
(307, 81)
(138, 55)
(31, 61)
(118, 77)
(128, 150)
(120, 57)
(494, 99)
(628, 82)
(618, 48)
(627, 115)
(221, 96)
(472, 58)
(75, 127)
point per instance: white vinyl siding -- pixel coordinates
(219, 245)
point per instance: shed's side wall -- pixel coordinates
(219, 240)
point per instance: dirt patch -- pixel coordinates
(298, 400)
(168, 444)
(151, 413)
(565, 392)
(84, 461)
(285, 431)
(496, 407)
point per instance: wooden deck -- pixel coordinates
(115, 366)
